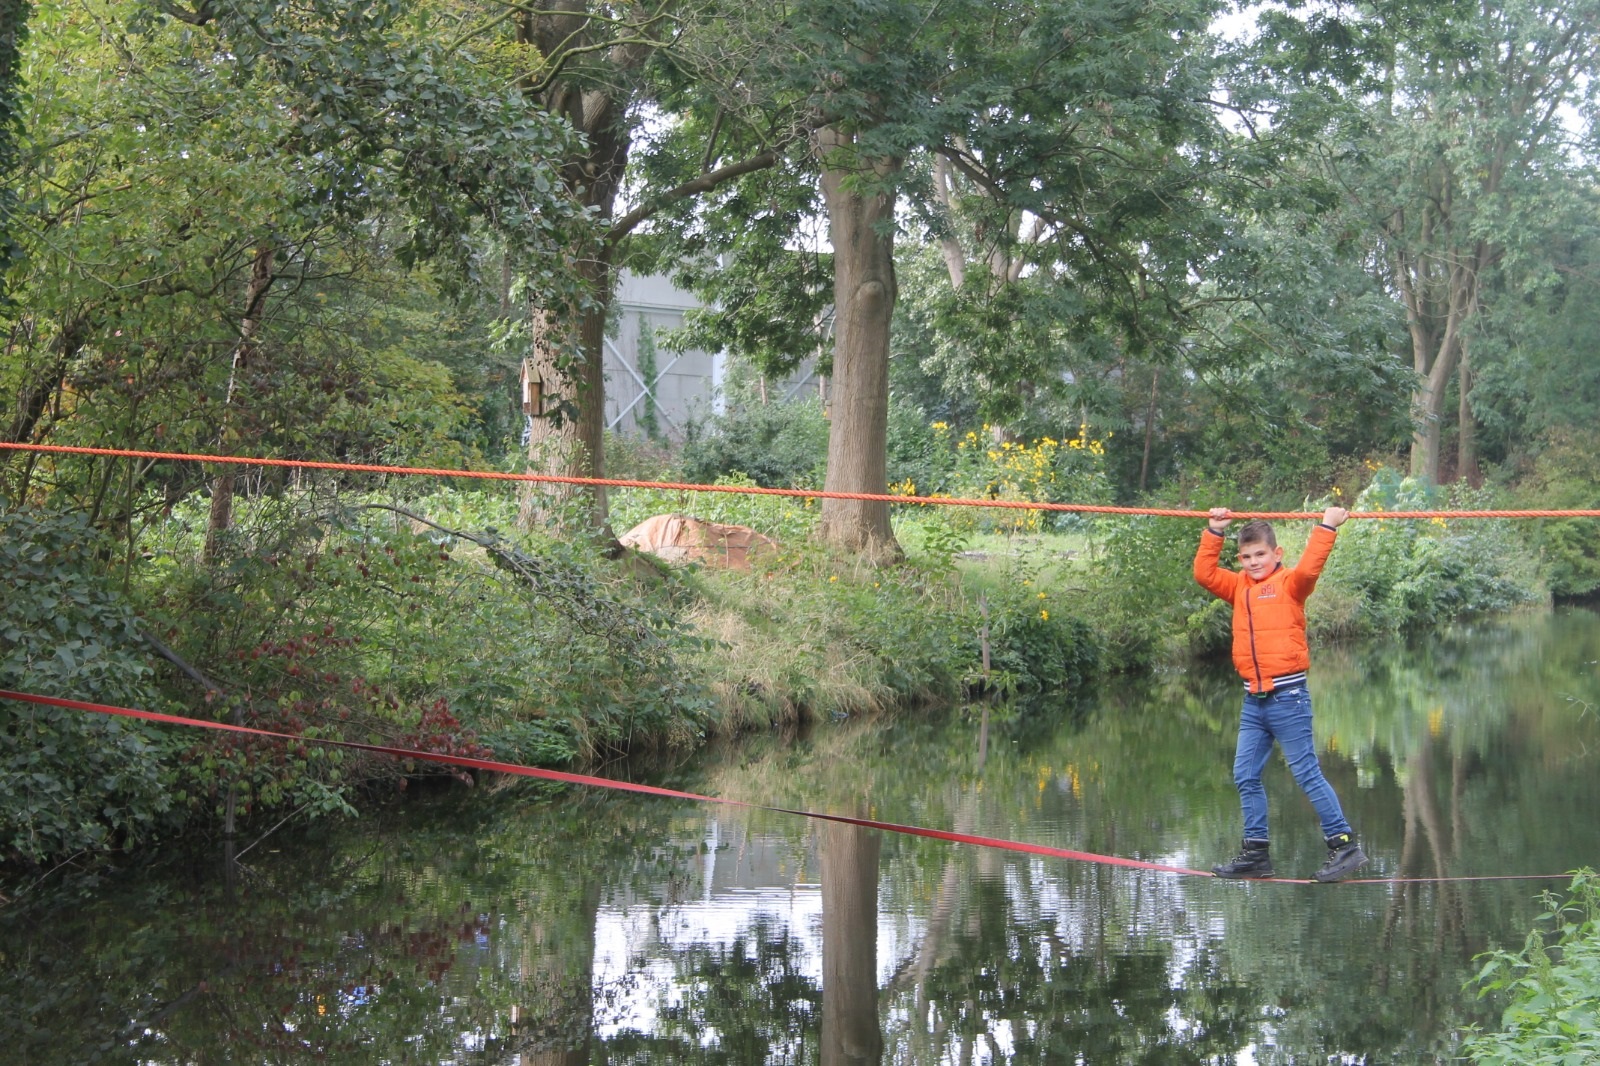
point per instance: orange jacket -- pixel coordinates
(1269, 616)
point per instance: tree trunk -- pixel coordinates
(1467, 437)
(860, 225)
(1435, 350)
(1149, 428)
(568, 437)
(850, 1032)
(568, 344)
(221, 516)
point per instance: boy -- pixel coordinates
(1270, 652)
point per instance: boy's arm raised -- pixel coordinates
(1212, 577)
(1303, 578)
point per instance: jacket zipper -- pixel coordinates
(1250, 623)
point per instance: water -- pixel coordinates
(523, 927)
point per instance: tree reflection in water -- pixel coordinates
(588, 928)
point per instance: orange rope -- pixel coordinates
(757, 490)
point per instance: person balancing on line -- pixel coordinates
(1270, 652)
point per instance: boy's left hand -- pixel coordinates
(1334, 516)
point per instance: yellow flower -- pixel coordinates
(1041, 595)
(835, 577)
(940, 426)
(1044, 615)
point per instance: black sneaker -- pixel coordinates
(1252, 861)
(1345, 857)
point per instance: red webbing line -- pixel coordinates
(671, 793)
(758, 490)
(604, 782)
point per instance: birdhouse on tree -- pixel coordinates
(532, 390)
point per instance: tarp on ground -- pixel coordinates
(677, 538)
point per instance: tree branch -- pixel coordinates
(176, 660)
(704, 183)
(200, 16)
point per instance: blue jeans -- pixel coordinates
(1284, 717)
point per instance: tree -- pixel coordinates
(189, 204)
(13, 36)
(602, 68)
(1454, 154)
(1062, 130)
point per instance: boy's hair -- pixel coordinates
(1258, 531)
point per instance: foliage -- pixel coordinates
(1045, 470)
(413, 618)
(71, 780)
(218, 211)
(1140, 591)
(778, 445)
(647, 370)
(13, 36)
(1568, 549)
(1553, 983)
(1407, 572)
(1039, 649)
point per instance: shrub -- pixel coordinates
(778, 445)
(1405, 572)
(1553, 1018)
(1568, 548)
(71, 780)
(1141, 589)
(1045, 470)
(1039, 648)
(539, 647)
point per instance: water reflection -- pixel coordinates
(619, 929)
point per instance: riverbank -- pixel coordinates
(420, 621)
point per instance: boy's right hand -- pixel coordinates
(1219, 519)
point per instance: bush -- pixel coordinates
(1553, 1018)
(1568, 548)
(778, 445)
(1044, 470)
(71, 780)
(1039, 648)
(1405, 572)
(538, 647)
(1142, 593)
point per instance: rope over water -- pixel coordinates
(751, 490)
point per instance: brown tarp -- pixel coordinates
(677, 538)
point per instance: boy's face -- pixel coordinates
(1257, 559)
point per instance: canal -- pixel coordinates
(528, 925)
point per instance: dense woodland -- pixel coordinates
(1140, 250)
